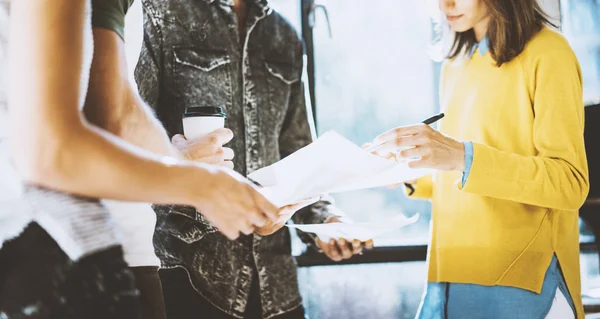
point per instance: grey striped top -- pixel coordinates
(80, 226)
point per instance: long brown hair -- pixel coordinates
(513, 23)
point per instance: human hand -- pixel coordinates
(340, 249)
(385, 154)
(428, 147)
(285, 213)
(388, 155)
(232, 203)
(208, 148)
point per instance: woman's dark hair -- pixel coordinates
(512, 24)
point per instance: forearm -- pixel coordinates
(144, 130)
(534, 180)
(51, 144)
(113, 104)
(556, 174)
(137, 124)
(93, 163)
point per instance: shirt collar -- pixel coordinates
(483, 47)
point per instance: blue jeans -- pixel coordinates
(459, 301)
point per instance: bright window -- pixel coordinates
(581, 26)
(373, 74)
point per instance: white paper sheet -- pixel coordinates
(331, 164)
(360, 231)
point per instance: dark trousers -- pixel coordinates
(183, 302)
(152, 303)
(38, 280)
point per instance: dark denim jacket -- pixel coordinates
(192, 56)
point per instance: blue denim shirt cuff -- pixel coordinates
(468, 161)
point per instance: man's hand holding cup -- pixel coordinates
(205, 136)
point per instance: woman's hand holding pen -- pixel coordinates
(428, 147)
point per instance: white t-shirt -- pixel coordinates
(136, 220)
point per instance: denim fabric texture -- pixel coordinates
(193, 55)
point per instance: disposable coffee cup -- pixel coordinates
(201, 120)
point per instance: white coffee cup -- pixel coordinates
(201, 120)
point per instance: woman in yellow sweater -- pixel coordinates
(512, 167)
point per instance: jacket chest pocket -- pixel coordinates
(281, 78)
(201, 77)
(184, 223)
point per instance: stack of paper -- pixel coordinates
(331, 164)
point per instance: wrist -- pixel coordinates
(460, 157)
(193, 182)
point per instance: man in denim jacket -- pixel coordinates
(247, 58)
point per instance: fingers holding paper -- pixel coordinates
(427, 147)
(384, 153)
(340, 249)
(234, 205)
(285, 214)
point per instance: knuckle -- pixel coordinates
(213, 139)
(212, 149)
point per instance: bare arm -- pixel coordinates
(114, 105)
(53, 146)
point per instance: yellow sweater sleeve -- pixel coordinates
(423, 188)
(557, 177)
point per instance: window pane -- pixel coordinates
(581, 25)
(372, 75)
(290, 9)
(363, 291)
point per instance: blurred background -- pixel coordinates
(370, 70)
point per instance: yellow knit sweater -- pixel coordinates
(529, 175)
